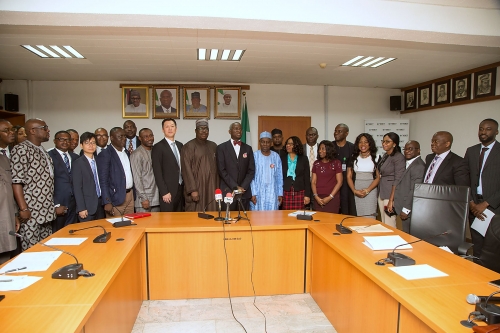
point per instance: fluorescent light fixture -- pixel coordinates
(352, 60)
(58, 49)
(225, 54)
(73, 51)
(213, 54)
(202, 54)
(35, 51)
(237, 55)
(373, 61)
(50, 52)
(362, 61)
(383, 62)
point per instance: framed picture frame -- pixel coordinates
(165, 102)
(442, 92)
(485, 83)
(135, 101)
(425, 96)
(227, 103)
(410, 100)
(461, 88)
(196, 102)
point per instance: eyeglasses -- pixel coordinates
(63, 139)
(89, 143)
(8, 130)
(45, 128)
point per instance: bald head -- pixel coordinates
(441, 142)
(37, 131)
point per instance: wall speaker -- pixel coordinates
(11, 102)
(395, 103)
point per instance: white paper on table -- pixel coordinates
(364, 229)
(446, 248)
(66, 241)
(301, 212)
(19, 282)
(482, 226)
(385, 242)
(416, 272)
(115, 219)
(33, 261)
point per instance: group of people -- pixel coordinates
(45, 191)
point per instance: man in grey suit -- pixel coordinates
(414, 173)
(483, 161)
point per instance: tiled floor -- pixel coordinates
(285, 313)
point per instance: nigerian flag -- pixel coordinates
(245, 125)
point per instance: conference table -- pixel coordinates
(178, 255)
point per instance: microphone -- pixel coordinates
(99, 239)
(123, 222)
(228, 200)
(343, 230)
(474, 299)
(218, 198)
(304, 216)
(68, 272)
(399, 259)
(205, 215)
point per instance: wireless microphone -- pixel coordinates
(474, 299)
(99, 239)
(218, 198)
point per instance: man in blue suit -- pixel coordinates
(64, 199)
(115, 176)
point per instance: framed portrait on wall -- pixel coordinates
(425, 96)
(442, 92)
(228, 103)
(410, 100)
(196, 102)
(485, 83)
(135, 102)
(461, 88)
(165, 102)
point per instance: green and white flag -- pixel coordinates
(245, 125)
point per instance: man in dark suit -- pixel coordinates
(236, 166)
(344, 151)
(132, 140)
(86, 184)
(64, 199)
(483, 164)
(414, 173)
(166, 104)
(166, 159)
(7, 136)
(115, 176)
(443, 167)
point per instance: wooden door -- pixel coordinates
(290, 126)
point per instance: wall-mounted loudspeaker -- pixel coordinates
(395, 103)
(11, 102)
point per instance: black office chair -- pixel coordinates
(490, 255)
(439, 208)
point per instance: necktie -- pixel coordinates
(130, 146)
(311, 158)
(174, 150)
(431, 167)
(94, 171)
(66, 161)
(4, 152)
(237, 142)
(481, 158)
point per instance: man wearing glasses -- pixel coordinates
(64, 199)
(33, 184)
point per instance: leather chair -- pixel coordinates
(490, 255)
(437, 209)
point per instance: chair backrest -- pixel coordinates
(490, 255)
(439, 208)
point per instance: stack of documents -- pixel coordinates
(364, 229)
(385, 242)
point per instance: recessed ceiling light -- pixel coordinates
(213, 54)
(73, 51)
(373, 61)
(383, 62)
(35, 51)
(44, 52)
(47, 50)
(202, 53)
(362, 61)
(368, 61)
(58, 49)
(352, 60)
(237, 55)
(225, 54)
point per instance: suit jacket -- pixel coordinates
(490, 177)
(63, 182)
(390, 173)
(403, 196)
(452, 170)
(234, 171)
(84, 185)
(302, 175)
(111, 176)
(165, 167)
(159, 110)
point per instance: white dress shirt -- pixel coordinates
(129, 181)
(236, 148)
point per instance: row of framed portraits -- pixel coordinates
(168, 101)
(453, 90)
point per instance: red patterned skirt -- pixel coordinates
(293, 199)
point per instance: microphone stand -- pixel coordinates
(99, 239)
(122, 223)
(204, 215)
(241, 208)
(219, 218)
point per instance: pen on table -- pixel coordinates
(6, 280)
(14, 269)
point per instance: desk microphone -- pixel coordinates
(304, 216)
(218, 198)
(343, 230)
(68, 272)
(204, 215)
(123, 222)
(474, 299)
(228, 200)
(99, 239)
(399, 259)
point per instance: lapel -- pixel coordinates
(88, 169)
(170, 153)
(59, 160)
(443, 165)
(230, 151)
(495, 151)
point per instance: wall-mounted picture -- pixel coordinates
(228, 103)
(165, 102)
(410, 100)
(425, 96)
(135, 102)
(196, 102)
(442, 92)
(485, 83)
(461, 88)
